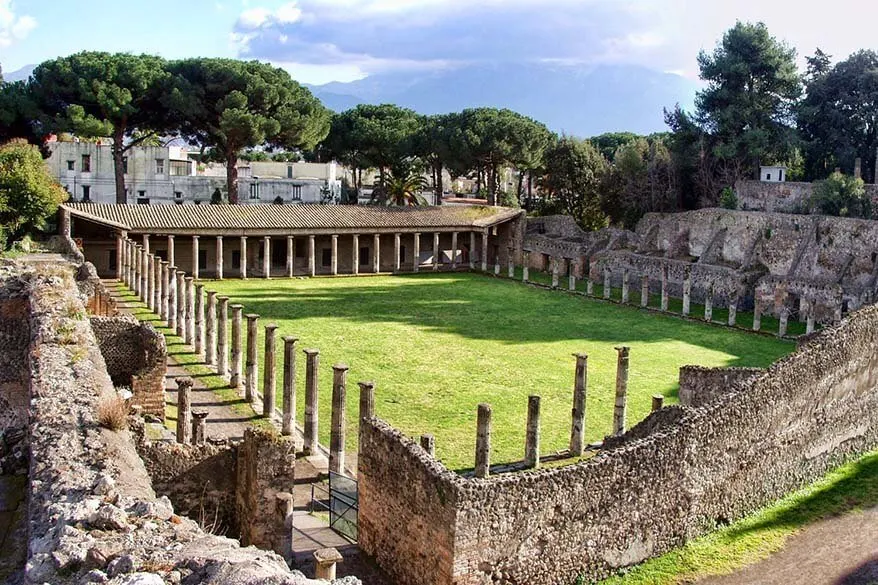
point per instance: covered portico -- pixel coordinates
(274, 241)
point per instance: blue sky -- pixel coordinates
(325, 40)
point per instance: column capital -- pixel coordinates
(194, 237)
(340, 368)
(290, 339)
(170, 237)
(251, 316)
(271, 326)
(219, 237)
(311, 352)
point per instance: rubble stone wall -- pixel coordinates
(781, 197)
(700, 385)
(668, 482)
(136, 357)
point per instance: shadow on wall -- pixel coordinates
(477, 307)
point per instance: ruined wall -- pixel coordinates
(14, 374)
(136, 358)
(667, 483)
(407, 507)
(781, 197)
(200, 480)
(700, 385)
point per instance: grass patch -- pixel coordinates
(439, 344)
(851, 487)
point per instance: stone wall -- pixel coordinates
(700, 385)
(136, 358)
(200, 480)
(667, 482)
(14, 336)
(781, 197)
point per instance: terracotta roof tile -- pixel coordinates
(292, 218)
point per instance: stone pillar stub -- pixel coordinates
(580, 385)
(337, 430)
(237, 363)
(210, 329)
(199, 320)
(184, 410)
(483, 441)
(619, 409)
(312, 363)
(252, 374)
(199, 424)
(532, 433)
(222, 336)
(269, 378)
(428, 444)
(289, 386)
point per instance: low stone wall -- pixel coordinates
(136, 358)
(676, 479)
(200, 480)
(700, 385)
(788, 197)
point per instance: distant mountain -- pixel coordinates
(575, 100)
(19, 75)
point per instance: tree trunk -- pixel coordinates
(479, 181)
(118, 166)
(381, 176)
(232, 176)
(530, 191)
(439, 186)
(492, 185)
(520, 191)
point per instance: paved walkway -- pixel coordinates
(837, 551)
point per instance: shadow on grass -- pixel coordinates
(479, 307)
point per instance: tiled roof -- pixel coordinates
(292, 218)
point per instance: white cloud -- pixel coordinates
(12, 27)
(254, 17)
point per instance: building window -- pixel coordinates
(297, 193)
(71, 165)
(86, 163)
(86, 193)
(236, 259)
(179, 168)
(125, 165)
(111, 260)
(178, 194)
(326, 257)
(289, 171)
(160, 166)
(141, 193)
(254, 191)
(143, 200)
(768, 176)
(364, 256)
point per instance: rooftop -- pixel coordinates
(269, 219)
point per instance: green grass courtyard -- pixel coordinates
(437, 345)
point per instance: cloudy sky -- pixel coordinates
(342, 40)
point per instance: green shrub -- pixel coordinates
(842, 195)
(728, 199)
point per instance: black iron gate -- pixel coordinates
(343, 505)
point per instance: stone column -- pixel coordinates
(687, 293)
(577, 427)
(129, 266)
(416, 260)
(312, 265)
(172, 298)
(809, 322)
(555, 276)
(472, 250)
(157, 290)
(190, 311)
(783, 322)
(64, 223)
(435, 251)
(291, 256)
(454, 251)
(171, 258)
(219, 257)
(334, 260)
(571, 275)
(289, 389)
(135, 283)
(397, 261)
(195, 263)
(325, 560)
(532, 434)
(484, 251)
(483, 441)
(658, 401)
(165, 292)
(644, 291)
(184, 410)
(237, 365)
(222, 336)
(210, 329)
(312, 363)
(120, 254)
(625, 292)
(355, 254)
(266, 257)
(757, 315)
(124, 276)
(337, 431)
(733, 311)
(252, 363)
(525, 266)
(428, 444)
(376, 253)
(199, 320)
(510, 263)
(199, 424)
(608, 283)
(269, 379)
(621, 390)
(243, 247)
(181, 304)
(144, 270)
(708, 304)
(150, 283)
(664, 287)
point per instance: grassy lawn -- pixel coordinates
(849, 488)
(438, 344)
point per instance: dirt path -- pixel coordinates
(837, 551)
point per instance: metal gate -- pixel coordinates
(343, 505)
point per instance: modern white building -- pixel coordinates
(166, 175)
(773, 174)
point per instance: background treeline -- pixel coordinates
(756, 108)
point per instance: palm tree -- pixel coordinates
(402, 191)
